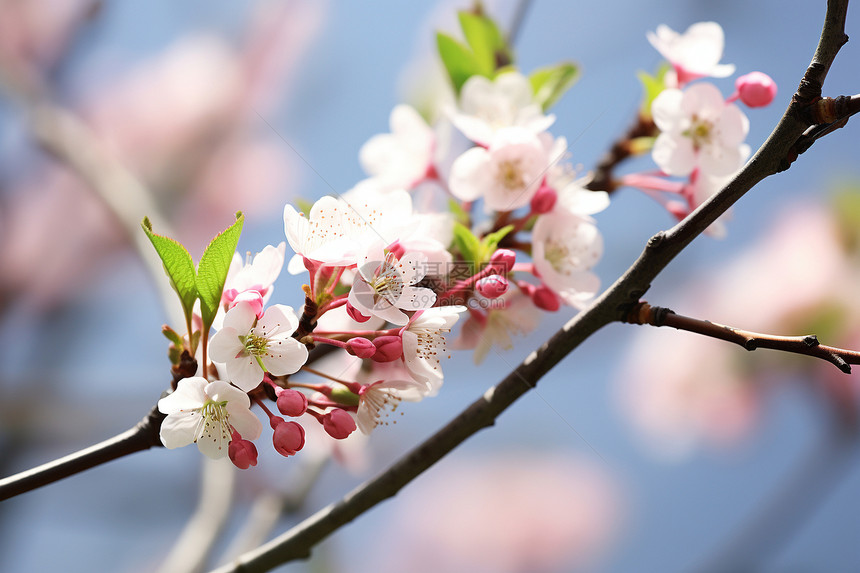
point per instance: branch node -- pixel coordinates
(811, 340)
(750, 344)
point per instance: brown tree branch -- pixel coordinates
(613, 305)
(644, 313)
(141, 437)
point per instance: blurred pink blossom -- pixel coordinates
(515, 512)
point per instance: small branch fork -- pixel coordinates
(644, 313)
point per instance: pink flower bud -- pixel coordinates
(544, 200)
(503, 259)
(756, 89)
(388, 348)
(355, 314)
(242, 453)
(361, 347)
(253, 299)
(289, 437)
(338, 424)
(228, 296)
(492, 286)
(545, 299)
(292, 402)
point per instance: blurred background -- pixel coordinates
(646, 450)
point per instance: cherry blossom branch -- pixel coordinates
(644, 313)
(613, 305)
(622, 149)
(141, 437)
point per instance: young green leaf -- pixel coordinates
(177, 264)
(467, 243)
(491, 241)
(550, 83)
(460, 214)
(213, 267)
(651, 87)
(484, 38)
(459, 61)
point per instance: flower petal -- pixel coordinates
(179, 429)
(189, 394)
(285, 356)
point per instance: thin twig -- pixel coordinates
(644, 313)
(612, 305)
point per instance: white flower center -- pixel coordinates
(701, 131)
(510, 175)
(214, 424)
(387, 284)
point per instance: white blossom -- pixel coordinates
(698, 129)
(402, 158)
(564, 249)
(694, 54)
(488, 106)
(380, 396)
(384, 286)
(506, 174)
(250, 347)
(206, 413)
(336, 231)
(424, 344)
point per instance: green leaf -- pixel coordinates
(484, 38)
(213, 267)
(491, 241)
(177, 264)
(460, 214)
(467, 243)
(172, 336)
(651, 87)
(551, 82)
(458, 60)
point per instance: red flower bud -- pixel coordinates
(289, 437)
(492, 286)
(388, 348)
(503, 259)
(338, 424)
(544, 200)
(292, 402)
(242, 453)
(545, 299)
(756, 89)
(361, 347)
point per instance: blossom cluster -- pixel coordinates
(700, 134)
(477, 214)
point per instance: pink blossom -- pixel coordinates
(756, 89)
(288, 437)
(338, 424)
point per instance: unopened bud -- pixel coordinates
(756, 89)
(545, 299)
(338, 424)
(292, 402)
(503, 259)
(388, 348)
(242, 453)
(361, 347)
(492, 286)
(288, 438)
(544, 200)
